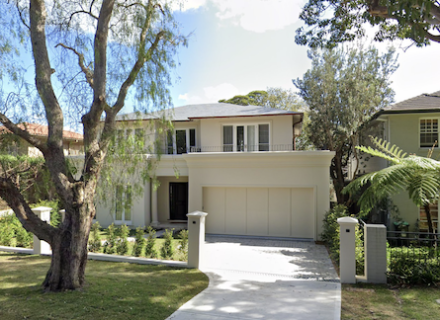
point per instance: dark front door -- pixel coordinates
(178, 200)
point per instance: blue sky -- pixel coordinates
(242, 45)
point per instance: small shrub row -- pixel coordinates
(117, 243)
(414, 266)
(12, 233)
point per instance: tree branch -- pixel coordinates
(43, 72)
(142, 58)
(87, 72)
(432, 37)
(31, 222)
(22, 133)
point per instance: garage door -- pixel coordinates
(276, 212)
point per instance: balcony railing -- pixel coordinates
(230, 148)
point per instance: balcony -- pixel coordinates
(231, 148)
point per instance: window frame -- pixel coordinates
(420, 131)
(125, 199)
(245, 126)
(187, 138)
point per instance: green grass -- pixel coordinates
(113, 290)
(363, 301)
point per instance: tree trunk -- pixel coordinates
(69, 250)
(338, 177)
(430, 224)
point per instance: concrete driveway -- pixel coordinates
(265, 279)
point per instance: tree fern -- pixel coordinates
(419, 176)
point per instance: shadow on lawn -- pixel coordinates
(113, 291)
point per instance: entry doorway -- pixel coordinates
(178, 200)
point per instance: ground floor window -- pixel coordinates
(123, 204)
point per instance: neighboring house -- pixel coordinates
(412, 125)
(237, 163)
(72, 141)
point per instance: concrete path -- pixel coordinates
(265, 279)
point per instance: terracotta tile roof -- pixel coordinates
(423, 103)
(42, 131)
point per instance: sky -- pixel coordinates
(237, 46)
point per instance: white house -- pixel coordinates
(238, 164)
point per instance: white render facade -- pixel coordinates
(238, 164)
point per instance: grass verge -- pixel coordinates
(113, 290)
(364, 301)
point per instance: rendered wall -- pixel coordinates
(404, 132)
(294, 169)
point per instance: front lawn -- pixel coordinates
(363, 301)
(113, 290)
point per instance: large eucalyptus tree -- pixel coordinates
(86, 56)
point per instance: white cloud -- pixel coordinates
(210, 94)
(190, 99)
(259, 15)
(222, 91)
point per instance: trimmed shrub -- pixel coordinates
(110, 243)
(183, 244)
(150, 250)
(167, 250)
(122, 242)
(139, 244)
(414, 266)
(13, 234)
(95, 238)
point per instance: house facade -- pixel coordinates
(237, 163)
(72, 141)
(412, 125)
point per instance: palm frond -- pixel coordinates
(394, 151)
(377, 153)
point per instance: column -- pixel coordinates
(42, 247)
(196, 238)
(154, 214)
(347, 255)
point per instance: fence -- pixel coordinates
(420, 247)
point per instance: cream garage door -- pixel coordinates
(276, 212)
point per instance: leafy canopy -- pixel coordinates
(330, 22)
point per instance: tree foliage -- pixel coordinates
(89, 58)
(419, 176)
(273, 97)
(343, 90)
(329, 22)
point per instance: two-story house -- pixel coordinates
(412, 125)
(237, 163)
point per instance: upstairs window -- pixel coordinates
(181, 141)
(252, 137)
(428, 132)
